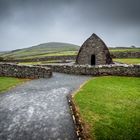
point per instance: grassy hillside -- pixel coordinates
(52, 49)
(41, 50)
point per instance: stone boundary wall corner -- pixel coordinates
(21, 71)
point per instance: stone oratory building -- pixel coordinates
(93, 52)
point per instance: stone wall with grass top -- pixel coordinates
(46, 58)
(31, 72)
(99, 70)
(73, 57)
(125, 54)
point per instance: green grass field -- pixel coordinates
(110, 107)
(124, 50)
(63, 53)
(8, 82)
(120, 60)
(52, 49)
(128, 60)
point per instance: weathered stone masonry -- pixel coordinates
(32, 72)
(116, 70)
(46, 58)
(125, 54)
(93, 52)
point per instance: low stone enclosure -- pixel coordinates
(46, 58)
(125, 54)
(43, 71)
(31, 72)
(99, 70)
(73, 57)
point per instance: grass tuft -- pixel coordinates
(8, 82)
(128, 60)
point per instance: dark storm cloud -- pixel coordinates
(28, 22)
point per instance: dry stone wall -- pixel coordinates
(73, 57)
(32, 72)
(47, 58)
(125, 54)
(118, 70)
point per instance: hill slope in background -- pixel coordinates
(41, 50)
(53, 49)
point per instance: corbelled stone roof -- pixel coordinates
(94, 46)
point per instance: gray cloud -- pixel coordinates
(28, 22)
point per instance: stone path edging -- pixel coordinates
(79, 125)
(76, 119)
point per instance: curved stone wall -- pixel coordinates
(31, 72)
(118, 70)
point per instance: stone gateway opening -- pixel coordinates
(92, 59)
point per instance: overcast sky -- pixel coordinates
(24, 23)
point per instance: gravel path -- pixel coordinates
(38, 110)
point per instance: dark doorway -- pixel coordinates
(93, 60)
